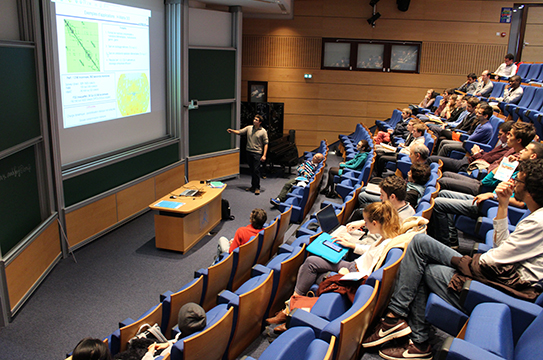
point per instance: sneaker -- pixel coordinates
(279, 318)
(385, 332)
(410, 351)
(257, 192)
(250, 189)
(275, 202)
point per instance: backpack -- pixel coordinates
(226, 214)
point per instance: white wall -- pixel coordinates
(9, 20)
(210, 28)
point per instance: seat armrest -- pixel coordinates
(458, 349)
(225, 297)
(165, 295)
(126, 322)
(303, 318)
(259, 269)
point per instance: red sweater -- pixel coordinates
(243, 235)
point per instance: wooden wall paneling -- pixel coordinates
(442, 58)
(91, 219)
(23, 272)
(169, 180)
(303, 90)
(214, 167)
(135, 198)
(321, 123)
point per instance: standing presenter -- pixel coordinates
(257, 148)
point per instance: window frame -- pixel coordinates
(387, 55)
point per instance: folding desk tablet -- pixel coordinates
(183, 220)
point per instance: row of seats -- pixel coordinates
(221, 290)
(529, 73)
(334, 328)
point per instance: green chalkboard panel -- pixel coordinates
(87, 185)
(212, 74)
(207, 129)
(20, 119)
(20, 206)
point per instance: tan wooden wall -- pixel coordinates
(458, 37)
(106, 212)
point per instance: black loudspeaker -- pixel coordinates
(403, 5)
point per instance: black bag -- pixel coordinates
(225, 210)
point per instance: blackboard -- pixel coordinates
(20, 119)
(207, 129)
(20, 204)
(212, 74)
(95, 182)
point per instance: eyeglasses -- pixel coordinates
(516, 180)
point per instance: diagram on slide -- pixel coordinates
(133, 93)
(82, 46)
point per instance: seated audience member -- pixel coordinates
(450, 203)
(429, 99)
(400, 130)
(191, 319)
(91, 349)
(417, 177)
(243, 234)
(305, 170)
(519, 137)
(482, 133)
(458, 116)
(450, 108)
(381, 219)
(508, 68)
(419, 153)
(468, 118)
(470, 85)
(418, 138)
(392, 189)
(512, 93)
(356, 163)
(441, 106)
(513, 265)
(485, 85)
(461, 165)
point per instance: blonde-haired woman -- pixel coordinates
(381, 220)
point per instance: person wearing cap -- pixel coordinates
(191, 319)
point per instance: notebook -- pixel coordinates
(373, 189)
(323, 245)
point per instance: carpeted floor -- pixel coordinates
(121, 275)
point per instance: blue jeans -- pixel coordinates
(426, 267)
(365, 198)
(447, 204)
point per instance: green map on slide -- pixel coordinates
(82, 50)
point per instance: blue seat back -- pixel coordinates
(530, 346)
(523, 69)
(533, 73)
(495, 122)
(497, 90)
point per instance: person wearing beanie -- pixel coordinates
(191, 319)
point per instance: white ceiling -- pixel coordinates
(256, 8)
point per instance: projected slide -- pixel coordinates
(103, 60)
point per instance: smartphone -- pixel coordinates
(332, 245)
